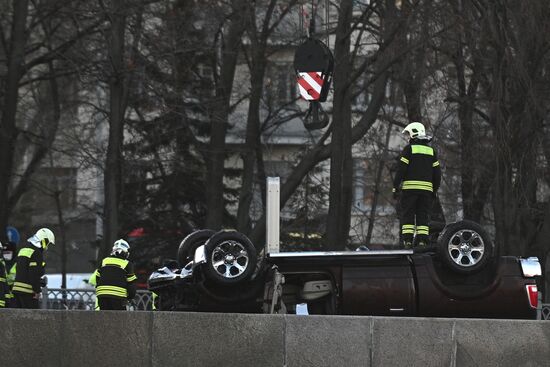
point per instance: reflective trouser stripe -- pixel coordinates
(111, 290)
(423, 230)
(131, 278)
(407, 229)
(9, 295)
(22, 287)
(2, 279)
(2, 303)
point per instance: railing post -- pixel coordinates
(44, 298)
(539, 306)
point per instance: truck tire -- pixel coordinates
(187, 247)
(230, 258)
(465, 247)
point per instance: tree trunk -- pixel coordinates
(341, 164)
(8, 129)
(257, 72)
(62, 242)
(253, 169)
(215, 169)
(117, 108)
(378, 179)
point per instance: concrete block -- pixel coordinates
(30, 338)
(327, 341)
(404, 341)
(210, 339)
(107, 338)
(502, 343)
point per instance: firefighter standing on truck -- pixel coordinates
(418, 178)
(30, 269)
(115, 279)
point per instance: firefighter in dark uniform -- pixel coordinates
(30, 269)
(115, 279)
(4, 289)
(418, 178)
(10, 260)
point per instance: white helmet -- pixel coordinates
(415, 130)
(43, 238)
(121, 248)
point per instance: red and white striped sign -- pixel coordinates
(310, 85)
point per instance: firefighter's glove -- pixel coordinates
(395, 193)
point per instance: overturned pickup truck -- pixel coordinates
(221, 272)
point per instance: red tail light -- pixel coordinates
(532, 295)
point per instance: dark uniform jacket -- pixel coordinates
(418, 168)
(115, 278)
(4, 288)
(30, 269)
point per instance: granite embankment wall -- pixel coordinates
(150, 339)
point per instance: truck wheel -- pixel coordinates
(465, 246)
(187, 247)
(231, 258)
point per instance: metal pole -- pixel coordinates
(273, 215)
(44, 298)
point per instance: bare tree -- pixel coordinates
(220, 111)
(117, 108)
(8, 132)
(40, 36)
(385, 57)
(258, 63)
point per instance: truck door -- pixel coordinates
(379, 285)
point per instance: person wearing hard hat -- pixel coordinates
(417, 178)
(115, 279)
(30, 269)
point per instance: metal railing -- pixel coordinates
(84, 299)
(543, 311)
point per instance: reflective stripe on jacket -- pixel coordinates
(418, 168)
(30, 269)
(4, 289)
(115, 278)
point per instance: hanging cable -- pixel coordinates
(327, 19)
(301, 20)
(314, 64)
(312, 20)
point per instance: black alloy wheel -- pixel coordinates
(465, 247)
(231, 258)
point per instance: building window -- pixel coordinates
(359, 183)
(280, 83)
